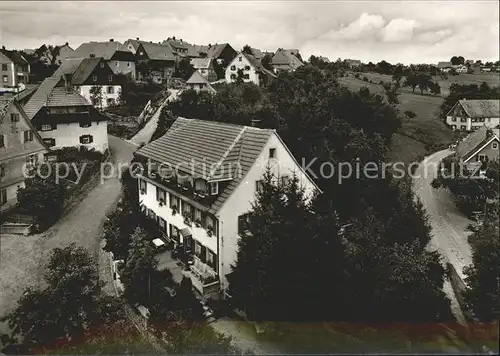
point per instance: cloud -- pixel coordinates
(399, 30)
(433, 36)
(371, 31)
(365, 26)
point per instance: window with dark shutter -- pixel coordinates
(2, 141)
(203, 254)
(3, 197)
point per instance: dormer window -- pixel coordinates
(102, 65)
(214, 188)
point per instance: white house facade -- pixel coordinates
(252, 70)
(86, 73)
(201, 211)
(64, 118)
(469, 115)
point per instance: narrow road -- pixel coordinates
(23, 257)
(145, 134)
(449, 225)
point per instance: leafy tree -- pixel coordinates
(434, 88)
(96, 95)
(43, 198)
(165, 120)
(384, 67)
(483, 277)
(424, 81)
(412, 81)
(456, 60)
(184, 69)
(391, 92)
(139, 269)
(247, 49)
(220, 69)
(372, 269)
(240, 77)
(74, 287)
(267, 62)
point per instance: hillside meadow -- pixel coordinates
(427, 129)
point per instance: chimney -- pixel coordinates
(67, 83)
(173, 37)
(3, 47)
(111, 40)
(137, 38)
(67, 44)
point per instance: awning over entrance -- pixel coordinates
(186, 232)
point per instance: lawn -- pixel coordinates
(419, 134)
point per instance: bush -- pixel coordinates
(381, 82)
(356, 75)
(410, 114)
(365, 79)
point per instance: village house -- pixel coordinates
(118, 57)
(202, 204)
(15, 70)
(90, 76)
(181, 48)
(286, 60)
(64, 118)
(479, 147)
(223, 53)
(199, 83)
(155, 61)
(205, 67)
(460, 68)
(353, 63)
(132, 45)
(468, 115)
(20, 145)
(251, 68)
(445, 67)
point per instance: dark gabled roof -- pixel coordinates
(212, 51)
(105, 50)
(469, 146)
(14, 56)
(258, 65)
(209, 150)
(158, 52)
(39, 99)
(79, 68)
(479, 108)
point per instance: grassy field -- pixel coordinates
(427, 128)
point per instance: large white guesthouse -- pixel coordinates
(200, 184)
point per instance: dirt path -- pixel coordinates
(145, 134)
(449, 225)
(22, 258)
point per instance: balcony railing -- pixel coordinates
(203, 277)
(183, 190)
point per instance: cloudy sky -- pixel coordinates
(397, 31)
